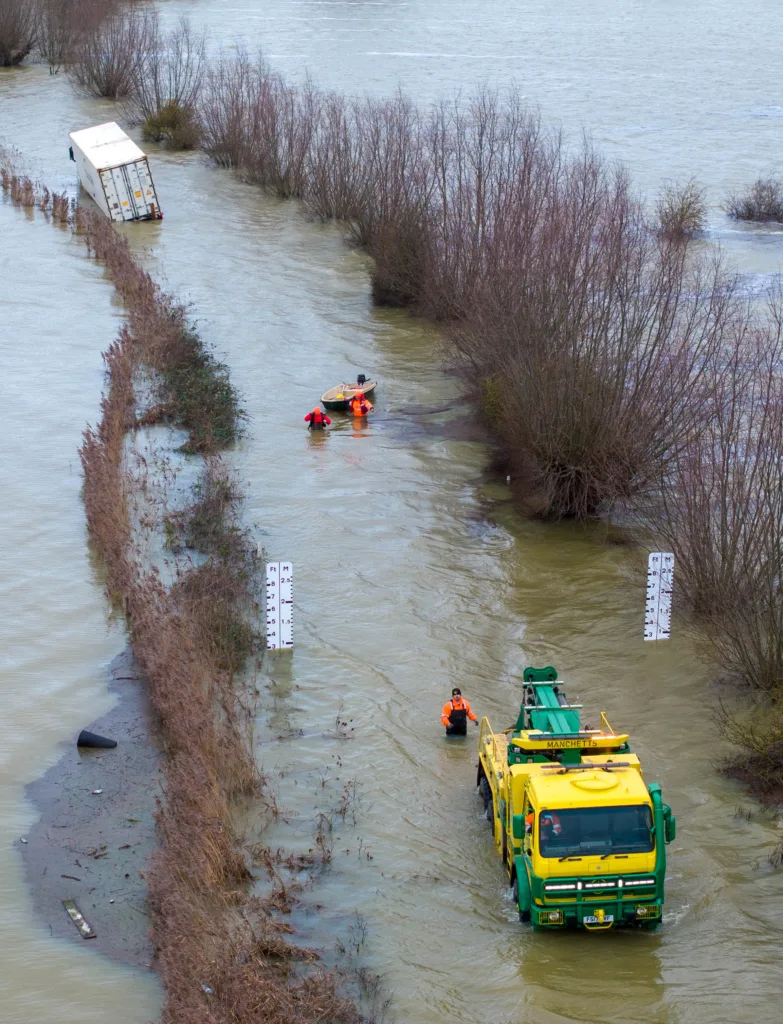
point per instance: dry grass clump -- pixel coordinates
(763, 201)
(25, 192)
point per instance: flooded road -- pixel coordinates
(412, 573)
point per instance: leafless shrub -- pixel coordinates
(722, 511)
(61, 23)
(763, 201)
(166, 86)
(224, 109)
(18, 31)
(583, 334)
(590, 343)
(109, 55)
(256, 123)
(681, 209)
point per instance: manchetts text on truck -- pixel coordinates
(583, 837)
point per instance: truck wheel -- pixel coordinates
(490, 812)
(524, 915)
(484, 792)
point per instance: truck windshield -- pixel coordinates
(595, 831)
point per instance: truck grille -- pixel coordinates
(590, 889)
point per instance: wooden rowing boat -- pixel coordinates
(336, 399)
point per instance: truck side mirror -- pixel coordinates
(70, 153)
(518, 826)
(669, 824)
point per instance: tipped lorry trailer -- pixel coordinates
(581, 834)
(115, 172)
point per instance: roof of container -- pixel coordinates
(106, 145)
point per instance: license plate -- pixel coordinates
(591, 919)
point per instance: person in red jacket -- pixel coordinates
(456, 713)
(316, 419)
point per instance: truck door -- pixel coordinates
(113, 198)
(140, 189)
(530, 826)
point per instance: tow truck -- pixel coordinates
(581, 834)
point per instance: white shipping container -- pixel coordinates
(115, 172)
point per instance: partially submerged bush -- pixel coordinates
(758, 763)
(166, 87)
(18, 30)
(681, 209)
(175, 125)
(763, 201)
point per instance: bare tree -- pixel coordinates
(225, 109)
(17, 31)
(110, 54)
(167, 83)
(62, 22)
(721, 510)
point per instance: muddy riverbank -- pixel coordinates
(93, 846)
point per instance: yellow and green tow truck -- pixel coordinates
(583, 837)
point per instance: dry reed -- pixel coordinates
(222, 953)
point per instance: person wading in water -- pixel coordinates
(316, 419)
(359, 405)
(456, 713)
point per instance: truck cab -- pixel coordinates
(581, 834)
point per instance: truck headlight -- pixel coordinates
(551, 917)
(648, 910)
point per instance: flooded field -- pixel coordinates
(413, 573)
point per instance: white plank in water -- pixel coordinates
(658, 606)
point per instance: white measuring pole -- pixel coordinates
(279, 605)
(658, 607)
(286, 605)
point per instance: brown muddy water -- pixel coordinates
(412, 572)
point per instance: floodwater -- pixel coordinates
(412, 571)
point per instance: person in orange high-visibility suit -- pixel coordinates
(551, 829)
(359, 405)
(456, 713)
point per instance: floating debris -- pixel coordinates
(92, 739)
(79, 919)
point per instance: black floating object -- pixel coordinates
(92, 739)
